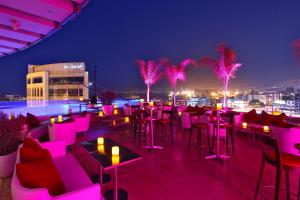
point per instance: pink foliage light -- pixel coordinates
(296, 46)
(225, 67)
(175, 72)
(150, 72)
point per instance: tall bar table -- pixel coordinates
(218, 156)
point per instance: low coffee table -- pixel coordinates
(104, 157)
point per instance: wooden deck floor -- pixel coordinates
(174, 173)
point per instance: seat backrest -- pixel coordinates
(166, 114)
(194, 117)
(228, 117)
(271, 151)
(63, 132)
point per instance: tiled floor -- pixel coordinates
(174, 173)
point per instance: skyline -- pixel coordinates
(112, 35)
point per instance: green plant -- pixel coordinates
(11, 135)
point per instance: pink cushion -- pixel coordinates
(71, 172)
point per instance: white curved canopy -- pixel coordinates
(26, 22)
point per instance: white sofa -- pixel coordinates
(286, 137)
(82, 123)
(77, 183)
(65, 131)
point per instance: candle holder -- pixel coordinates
(100, 140)
(60, 119)
(115, 160)
(115, 150)
(115, 111)
(126, 119)
(245, 125)
(219, 106)
(52, 120)
(101, 149)
(266, 129)
(151, 103)
(101, 114)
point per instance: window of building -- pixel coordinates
(28, 81)
(37, 80)
(41, 92)
(65, 80)
(63, 92)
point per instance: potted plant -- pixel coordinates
(11, 136)
(106, 100)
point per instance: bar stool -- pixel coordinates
(279, 160)
(163, 122)
(197, 124)
(140, 125)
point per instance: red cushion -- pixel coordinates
(29, 142)
(278, 120)
(265, 118)
(32, 120)
(200, 110)
(28, 154)
(251, 116)
(189, 109)
(40, 174)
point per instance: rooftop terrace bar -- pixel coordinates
(81, 148)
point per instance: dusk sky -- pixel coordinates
(113, 34)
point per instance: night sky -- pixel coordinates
(113, 34)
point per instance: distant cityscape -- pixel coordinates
(284, 98)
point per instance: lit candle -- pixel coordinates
(11, 116)
(115, 106)
(100, 140)
(52, 120)
(100, 149)
(114, 123)
(60, 119)
(219, 106)
(101, 114)
(244, 124)
(142, 100)
(151, 103)
(126, 119)
(179, 113)
(266, 128)
(115, 111)
(81, 98)
(115, 160)
(115, 151)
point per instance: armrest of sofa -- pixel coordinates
(56, 148)
(20, 192)
(92, 192)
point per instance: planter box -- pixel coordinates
(7, 164)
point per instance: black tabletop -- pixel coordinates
(105, 157)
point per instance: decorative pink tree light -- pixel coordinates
(150, 71)
(225, 67)
(175, 72)
(296, 46)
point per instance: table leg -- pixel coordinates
(116, 193)
(217, 156)
(152, 146)
(115, 183)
